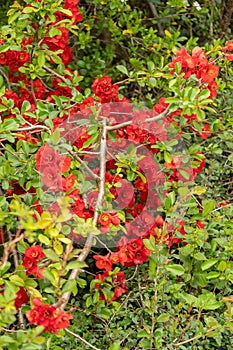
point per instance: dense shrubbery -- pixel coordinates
(116, 176)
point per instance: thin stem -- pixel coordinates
(90, 172)
(155, 14)
(50, 70)
(81, 339)
(10, 247)
(196, 337)
(6, 79)
(34, 127)
(153, 119)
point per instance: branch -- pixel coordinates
(81, 339)
(50, 70)
(196, 337)
(11, 247)
(153, 119)
(33, 91)
(90, 172)
(34, 127)
(6, 79)
(155, 14)
(16, 263)
(61, 303)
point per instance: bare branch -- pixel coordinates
(50, 70)
(6, 79)
(153, 119)
(81, 339)
(34, 127)
(155, 14)
(9, 248)
(90, 172)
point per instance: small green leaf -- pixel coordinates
(208, 264)
(70, 286)
(76, 265)
(175, 269)
(208, 206)
(18, 281)
(122, 69)
(164, 318)
(115, 346)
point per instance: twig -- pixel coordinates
(88, 244)
(33, 92)
(196, 337)
(90, 172)
(81, 339)
(10, 247)
(34, 127)
(6, 79)
(50, 70)
(155, 14)
(153, 119)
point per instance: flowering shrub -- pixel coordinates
(86, 169)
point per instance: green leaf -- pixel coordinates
(70, 286)
(55, 137)
(41, 58)
(10, 124)
(18, 281)
(164, 318)
(208, 264)
(175, 269)
(212, 275)
(208, 206)
(30, 9)
(149, 243)
(91, 140)
(115, 346)
(151, 66)
(122, 69)
(204, 94)
(44, 239)
(25, 106)
(76, 265)
(51, 255)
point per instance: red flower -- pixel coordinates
(52, 179)
(31, 267)
(209, 73)
(34, 253)
(1, 236)
(205, 131)
(47, 316)
(103, 262)
(200, 224)
(45, 156)
(68, 182)
(63, 163)
(105, 219)
(21, 298)
(104, 89)
(116, 281)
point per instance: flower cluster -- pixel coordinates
(197, 64)
(52, 164)
(104, 89)
(110, 281)
(31, 258)
(48, 316)
(228, 50)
